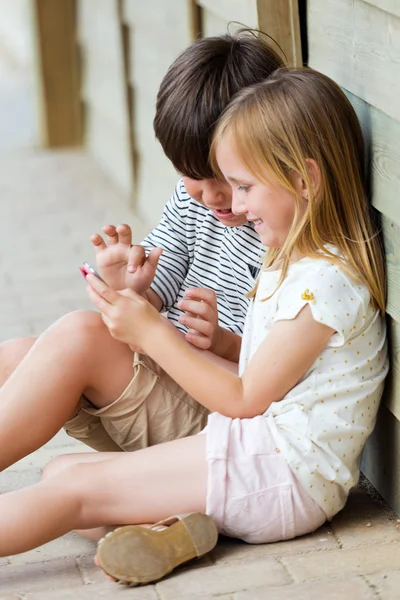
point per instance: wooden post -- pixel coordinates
(280, 19)
(57, 72)
(195, 16)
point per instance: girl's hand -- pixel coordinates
(130, 318)
(201, 317)
(121, 264)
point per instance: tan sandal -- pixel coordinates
(138, 555)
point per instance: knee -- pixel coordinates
(12, 352)
(55, 466)
(86, 326)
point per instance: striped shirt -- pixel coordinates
(199, 251)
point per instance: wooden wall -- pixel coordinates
(357, 43)
(126, 48)
(104, 92)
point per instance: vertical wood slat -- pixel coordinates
(195, 18)
(126, 57)
(281, 21)
(58, 72)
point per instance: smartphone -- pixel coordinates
(86, 268)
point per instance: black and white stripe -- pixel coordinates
(199, 251)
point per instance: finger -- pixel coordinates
(199, 341)
(124, 234)
(137, 257)
(201, 294)
(154, 257)
(197, 325)
(111, 233)
(102, 289)
(98, 301)
(98, 242)
(197, 308)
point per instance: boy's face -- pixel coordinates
(217, 196)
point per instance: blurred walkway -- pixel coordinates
(50, 203)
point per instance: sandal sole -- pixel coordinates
(138, 555)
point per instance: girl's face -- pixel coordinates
(270, 206)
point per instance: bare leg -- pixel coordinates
(64, 461)
(12, 352)
(138, 487)
(75, 355)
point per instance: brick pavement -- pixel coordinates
(50, 204)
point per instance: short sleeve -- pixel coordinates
(170, 235)
(335, 299)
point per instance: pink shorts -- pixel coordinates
(252, 493)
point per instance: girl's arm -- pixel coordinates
(283, 358)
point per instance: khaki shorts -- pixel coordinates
(153, 409)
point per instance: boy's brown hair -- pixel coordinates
(198, 86)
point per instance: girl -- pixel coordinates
(283, 444)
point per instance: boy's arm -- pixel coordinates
(170, 236)
(153, 298)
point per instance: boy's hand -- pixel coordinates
(130, 318)
(201, 317)
(121, 264)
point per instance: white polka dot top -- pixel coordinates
(322, 424)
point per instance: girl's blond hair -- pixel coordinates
(275, 126)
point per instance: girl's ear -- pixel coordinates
(314, 175)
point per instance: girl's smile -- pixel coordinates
(269, 205)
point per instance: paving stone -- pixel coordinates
(386, 585)
(222, 579)
(363, 521)
(107, 591)
(63, 439)
(16, 479)
(343, 589)
(230, 550)
(70, 545)
(50, 575)
(338, 563)
(91, 574)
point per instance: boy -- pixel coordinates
(84, 381)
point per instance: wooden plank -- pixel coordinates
(391, 236)
(105, 90)
(159, 31)
(109, 145)
(232, 10)
(214, 24)
(281, 21)
(58, 72)
(358, 45)
(390, 6)
(195, 20)
(381, 458)
(382, 138)
(392, 388)
(157, 14)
